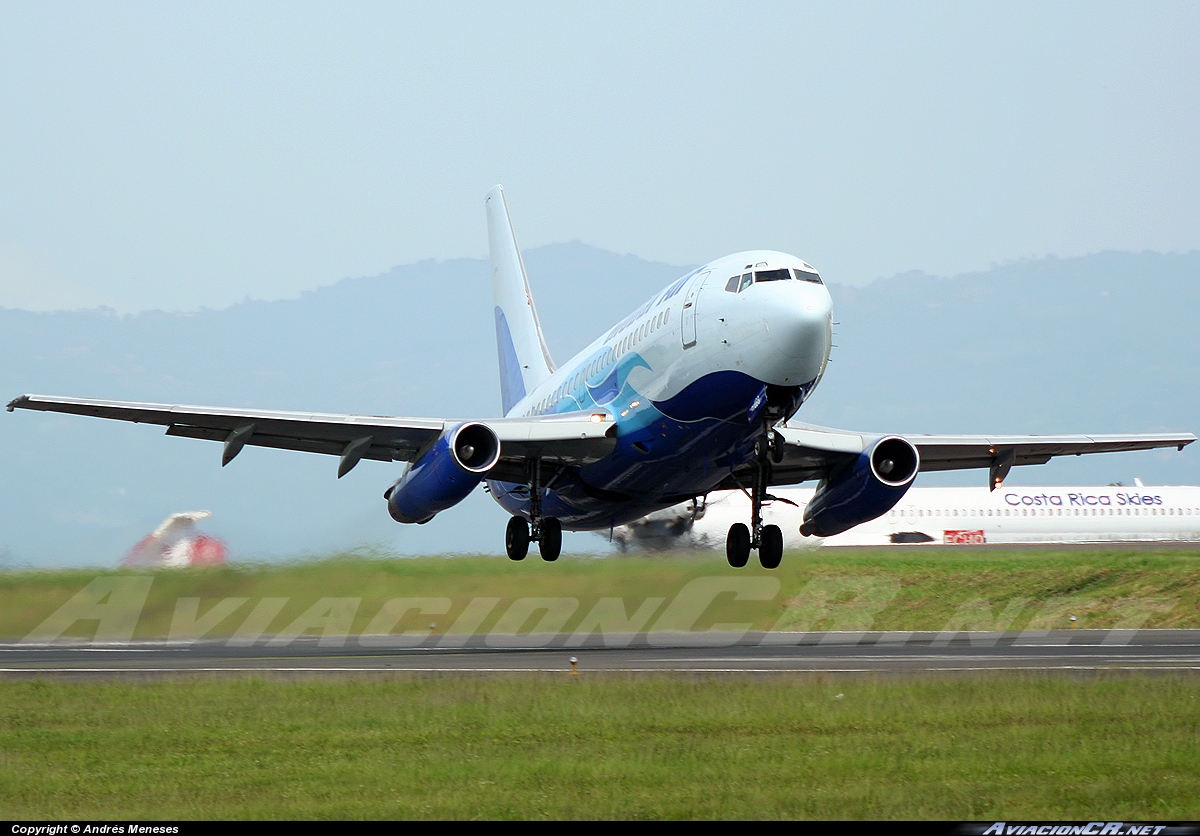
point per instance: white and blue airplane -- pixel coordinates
(690, 393)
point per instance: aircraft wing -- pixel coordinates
(809, 452)
(567, 438)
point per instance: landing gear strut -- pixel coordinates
(545, 531)
(767, 539)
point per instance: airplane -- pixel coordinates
(959, 516)
(688, 394)
(176, 543)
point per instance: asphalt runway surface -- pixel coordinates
(695, 653)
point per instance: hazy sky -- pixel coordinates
(183, 155)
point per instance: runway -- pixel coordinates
(693, 653)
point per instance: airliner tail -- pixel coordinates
(524, 359)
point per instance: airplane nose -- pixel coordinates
(799, 321)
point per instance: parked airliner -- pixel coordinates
(176, 543)
(947, 516)
(686, 395)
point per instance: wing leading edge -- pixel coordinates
(568, 438)
(809, 452)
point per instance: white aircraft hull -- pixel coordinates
(953, 516)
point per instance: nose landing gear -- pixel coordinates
(767, 539)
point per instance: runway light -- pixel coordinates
(574, 668)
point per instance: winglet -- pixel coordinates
(20, 400)
(524, 359)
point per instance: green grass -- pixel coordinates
(883, 589)
(605, 746)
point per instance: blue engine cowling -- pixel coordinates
(444, 474)
(862, 489)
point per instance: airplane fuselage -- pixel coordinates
(954, 516)
(692, 378)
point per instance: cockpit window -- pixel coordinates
(771, 275)
(732, 284)
(747, 280)
(808, 276)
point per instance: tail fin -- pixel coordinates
(524, 360)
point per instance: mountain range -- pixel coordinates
(1100, 343)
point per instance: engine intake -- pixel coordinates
(863, 489)
(444, 475)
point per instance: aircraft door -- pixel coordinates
(690, 308)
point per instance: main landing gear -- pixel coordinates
(768, 539)
(548, 537)
(545, 531)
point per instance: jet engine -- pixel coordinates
(862, 489)
(444, 474)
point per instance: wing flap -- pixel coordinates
(958, 452)
(375, 452)
(392, 438)
(824, 440)
(566, 439)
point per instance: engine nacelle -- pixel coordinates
(863, 489)
(445, 474)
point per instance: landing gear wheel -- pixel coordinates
(737, 545)
(516, 538)
(551, 542)
(770, 550)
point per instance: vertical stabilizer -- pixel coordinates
(524, 360)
